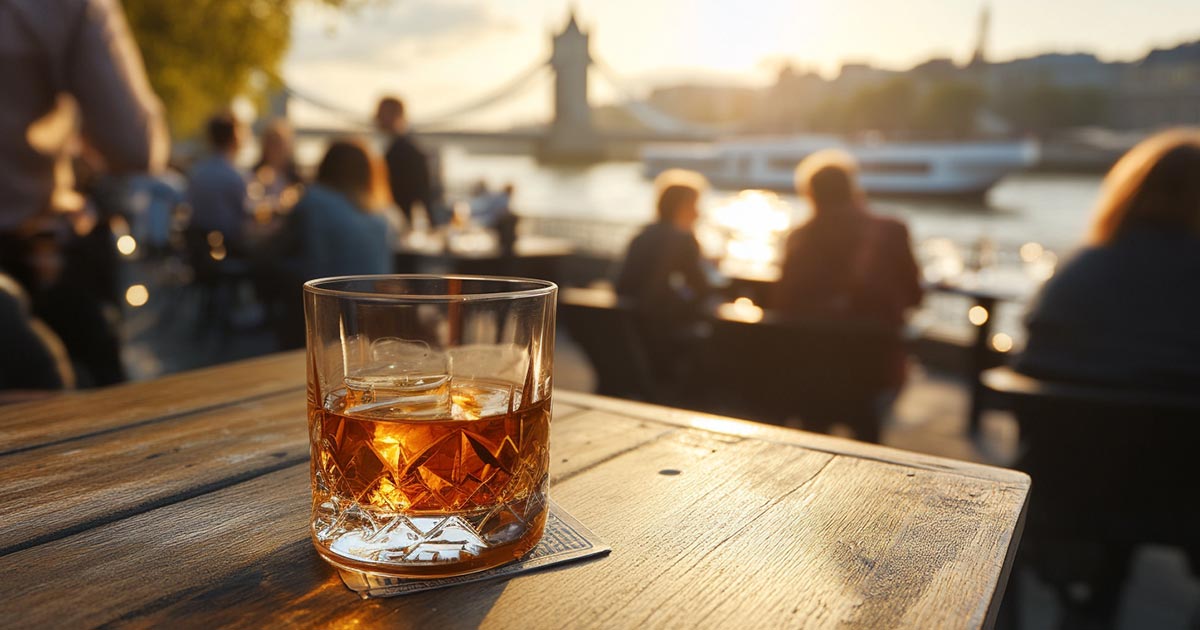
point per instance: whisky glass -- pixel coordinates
(429, 420)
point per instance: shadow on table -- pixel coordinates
(294, 585)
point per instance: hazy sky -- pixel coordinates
(439, 53)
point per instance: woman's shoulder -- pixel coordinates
(890, 226)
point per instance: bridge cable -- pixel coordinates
(648, 114)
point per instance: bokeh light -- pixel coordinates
(137, 295)
(1002, 342)
(126, 245)
(977, 315)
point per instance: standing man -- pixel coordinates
(407, 166)
(69, 70)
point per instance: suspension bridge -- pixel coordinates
(571, 135)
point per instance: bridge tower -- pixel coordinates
(571, 136)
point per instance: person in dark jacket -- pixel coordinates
(663, 275)
(336, 229)
(1122, 311)
(407, 166)
(846, 262)
(663, 269)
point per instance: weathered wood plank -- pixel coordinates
(74, 415)
(714, 523)
(562, 410)
(60, 489)
(875, 547)
(588, 438)
(128, 564)
(98, 575)
(783, 435)
(122, 474)
(655, 522)
(812, 540)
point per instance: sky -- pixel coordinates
(438, 54)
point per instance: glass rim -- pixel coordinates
(317, 286)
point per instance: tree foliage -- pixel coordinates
(901, 107)
(200, 54)
(1044, 108)
(887, 107)
(949, 109)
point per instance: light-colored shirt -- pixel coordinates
(81, 48)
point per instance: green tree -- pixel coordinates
(886, 107)
(200, 54)
(1045, 108)
(949, 109)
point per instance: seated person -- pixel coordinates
(216, 189)
(33, 358)
(337, 228)
(1123, 310)
(663, 269)
(663, 274)
(276, 167)
(846, 262)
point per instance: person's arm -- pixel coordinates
(122, 118)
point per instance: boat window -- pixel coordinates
(871, 168)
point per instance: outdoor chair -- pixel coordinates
(1111, 469)
(820, 372)
(603, 326)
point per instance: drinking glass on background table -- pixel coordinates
(429, 420)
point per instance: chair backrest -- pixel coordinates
(602, 324)
(816, 370)
(1107, 463)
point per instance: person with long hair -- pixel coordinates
(846, 262)
(1123, 310)
(338, 228)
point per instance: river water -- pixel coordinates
(1009, 242)
(1052, 210)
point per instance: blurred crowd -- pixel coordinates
(86, 160)
(89, 173)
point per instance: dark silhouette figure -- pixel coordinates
(407, 166)
(663, 275)
(663, 270)
(1114, 340)
(1123, 310)
(846, 263)
(33, 358)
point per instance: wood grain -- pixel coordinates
(783, 435)
(124, 474)
(197, 544)
(193, 509)
(73, 415)
(63, 488)
(812, 540)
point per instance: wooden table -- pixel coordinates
(185, 501)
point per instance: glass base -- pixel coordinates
(429, 547)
